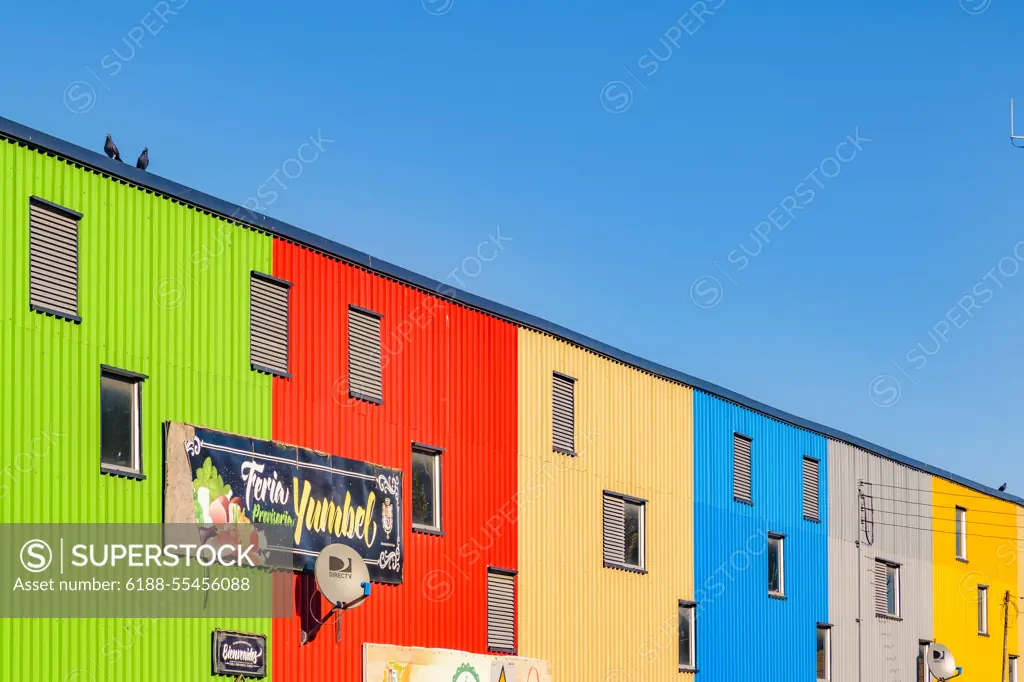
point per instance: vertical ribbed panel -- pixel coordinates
(742, 633)
(501, 611)
(993, 558)
(53, 256)
(563, 413)
(364, 358)
(893, 522)
(633, 436)
(742, 484)
(268, 324)
(811, 504)
(449, 381)
(163, 290)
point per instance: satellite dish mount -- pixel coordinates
(1014, 138)
(342, 579)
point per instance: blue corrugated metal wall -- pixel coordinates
(742, 633)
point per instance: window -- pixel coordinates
(53, 259)
(268, 324)
(923, 674)
(741, 476)
(824, 652)
(776, 565)
(563, 409)
(887, 589)
(623, 531)
(120, 421)
(426, 488)
(687, 639)
(364, 360)
(982, 610)
(961, 533)
(1013, 669)
(501, 610)
(811, 489)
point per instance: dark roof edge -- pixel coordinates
(95, 160)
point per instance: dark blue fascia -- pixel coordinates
(155, 183)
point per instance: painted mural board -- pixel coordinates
(305, 500)
(386, 663)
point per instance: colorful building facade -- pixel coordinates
(732, 533)
(594, 516)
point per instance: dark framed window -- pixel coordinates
(687, 636)
(121, 422)
(426, 488)
(982, 609)
(776, 565)
(961, 534)
(624, 521)
(887, 589)
(824, 653)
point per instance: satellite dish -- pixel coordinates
(341, 576)
(941, 663)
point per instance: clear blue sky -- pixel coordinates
(452, 118)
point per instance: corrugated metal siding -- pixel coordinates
(634, 436)
(742, 633)
(449, 378)
(992, 558)
(163, 290)
(896, 528)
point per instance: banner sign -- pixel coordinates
(386, 663)
(239, 653)
(217, 480)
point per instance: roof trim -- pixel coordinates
(99, 162)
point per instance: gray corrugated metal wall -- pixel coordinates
(899, 497)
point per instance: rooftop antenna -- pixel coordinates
(1014, 138)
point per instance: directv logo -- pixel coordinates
(338, 567)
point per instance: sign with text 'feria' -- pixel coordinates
(308, 499)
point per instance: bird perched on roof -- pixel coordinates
(143, 162)
(1002, 488)
(111, 149)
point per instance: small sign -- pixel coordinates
(239, 653)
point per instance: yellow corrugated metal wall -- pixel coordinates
(991, 560)
(634, 435)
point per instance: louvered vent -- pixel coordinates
(741, 478)
(563, 413)
(614, 530)
(268, 324)
(881, 591)
(811, 489)
(501, 611)
(53, 259)
(364, 363)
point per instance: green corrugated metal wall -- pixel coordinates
(163, 290)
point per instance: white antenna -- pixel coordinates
(1012, 136)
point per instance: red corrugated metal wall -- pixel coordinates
(449, 378)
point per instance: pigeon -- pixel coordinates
(143, 162)
(1002, 488)
(111, 149)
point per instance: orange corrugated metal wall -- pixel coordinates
(450, 381)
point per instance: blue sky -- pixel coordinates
(631, 151)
